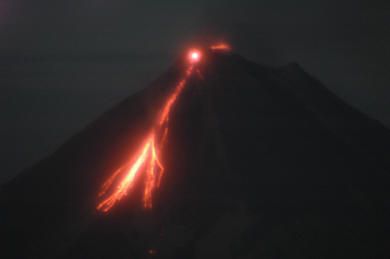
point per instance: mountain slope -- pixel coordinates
(260, 163)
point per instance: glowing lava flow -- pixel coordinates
(146, 159)
(221, 47)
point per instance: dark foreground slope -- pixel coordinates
(260, 163)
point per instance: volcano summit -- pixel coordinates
(257, 162)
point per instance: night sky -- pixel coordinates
(65, 62)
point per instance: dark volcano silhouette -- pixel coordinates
(260, 163)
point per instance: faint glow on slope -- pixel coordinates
(147, 158)
(152, 251)
(221, 47)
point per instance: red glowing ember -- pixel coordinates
(194, 56)
(147, 157)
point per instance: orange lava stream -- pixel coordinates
(221, 47)
(146, 160)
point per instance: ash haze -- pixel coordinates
(65, 62)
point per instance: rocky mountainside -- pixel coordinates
(260, 162)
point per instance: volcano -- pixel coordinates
(259, 162)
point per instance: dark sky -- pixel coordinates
(64, 62)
